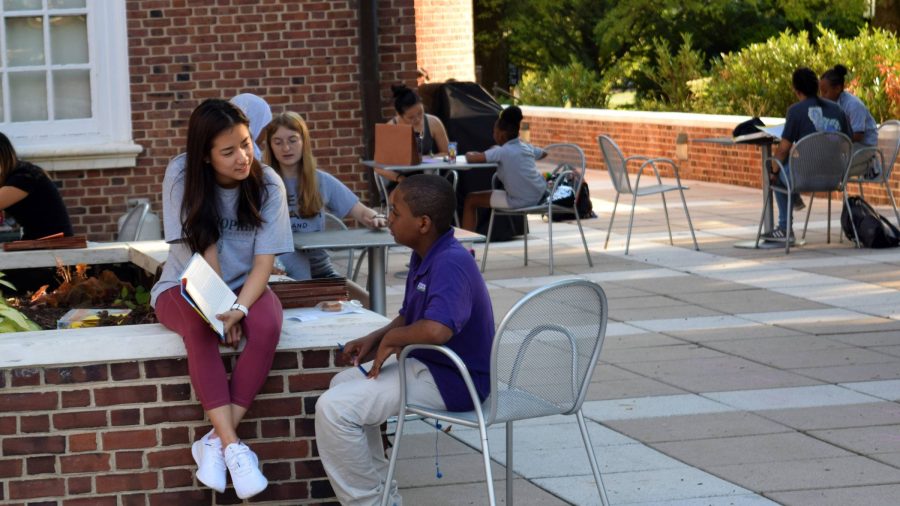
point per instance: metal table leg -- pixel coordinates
(377, 285)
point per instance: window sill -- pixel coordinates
(82, 157)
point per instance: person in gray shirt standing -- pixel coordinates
(523, 184)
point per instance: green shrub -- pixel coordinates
(756, 81)
(572, 85)
(673, 75)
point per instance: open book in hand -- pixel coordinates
(205, 291)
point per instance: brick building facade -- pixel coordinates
(300, 56)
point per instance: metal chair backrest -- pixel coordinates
(134, 221)
(819, 161)
(332, 222)
(889, 144)
(615, 164)
(564, 154)
(545, 351)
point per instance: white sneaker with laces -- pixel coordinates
(210, 462)
(244, 468)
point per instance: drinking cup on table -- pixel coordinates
(451, 152)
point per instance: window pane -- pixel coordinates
(28, 96)
(24, 41)
(72, 94)
(22, 5)
(65, 4)
(68, 39)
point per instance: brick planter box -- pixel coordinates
(109, 430)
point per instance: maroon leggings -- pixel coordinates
(262, 328)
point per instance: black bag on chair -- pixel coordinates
(874, 230)
(566, 197)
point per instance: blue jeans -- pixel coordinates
(781, 198)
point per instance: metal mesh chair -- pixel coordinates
(542, 359)
(886, 155)
(565, 161)
(134, 221)
(617, 165)
(818, 162)
(332, 222)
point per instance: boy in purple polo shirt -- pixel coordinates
(446, 303)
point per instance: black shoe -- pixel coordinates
(777, 235)
(797, 203)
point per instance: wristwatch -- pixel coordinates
(240, 307)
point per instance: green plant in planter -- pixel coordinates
(11, 320)
(140, 298)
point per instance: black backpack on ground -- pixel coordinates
(874, 230)
(582, 201)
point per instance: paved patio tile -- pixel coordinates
(864, 440)
(649, 407)
(713, 374)
(740, 300)
(689, 427)
(679, 351)
(874, 495)
(887, 389)
(643, 486)
(796, 397)
(768, 477)
(643, 340)
(744, 331)
(440, 494)
(630, 388)
(710, 453)
(852, 373)
(666, 312)
(830, 417)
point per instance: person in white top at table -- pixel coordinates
(522, 182)
(310, 191)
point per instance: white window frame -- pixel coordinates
(105, 139)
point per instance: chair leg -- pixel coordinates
(487, 241)
(666, 212)
(550, 226)
(630, 222)
(583, 240)
(688, 216)
(359, 261)
(486, 456)
(891, 198)
(595, 468)
(828, 225)
(790, 225)
(762, 218)
(509, 462)
(526, 238)
(611, 219)
(392, 464)
(850, 215)
(812, 196)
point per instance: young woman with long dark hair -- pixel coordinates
(219, 201)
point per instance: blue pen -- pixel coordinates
(361, 368)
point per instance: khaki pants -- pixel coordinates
(348, 417)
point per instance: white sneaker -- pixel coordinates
(244, 468)
(210, 462)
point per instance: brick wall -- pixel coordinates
(298, 55)
(445, 43)
(120, 433)
(654, 134)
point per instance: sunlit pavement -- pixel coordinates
(728, 376)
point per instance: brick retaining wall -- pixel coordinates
(654, 134)
(120, 433)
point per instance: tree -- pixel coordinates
(597, 34)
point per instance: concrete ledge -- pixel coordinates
(154, 341)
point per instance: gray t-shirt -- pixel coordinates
(516, 168)
(338, 200)
(236, 246)
(860, 118)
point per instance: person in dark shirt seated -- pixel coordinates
(446, 303)
(28, 195)
(810, 115)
